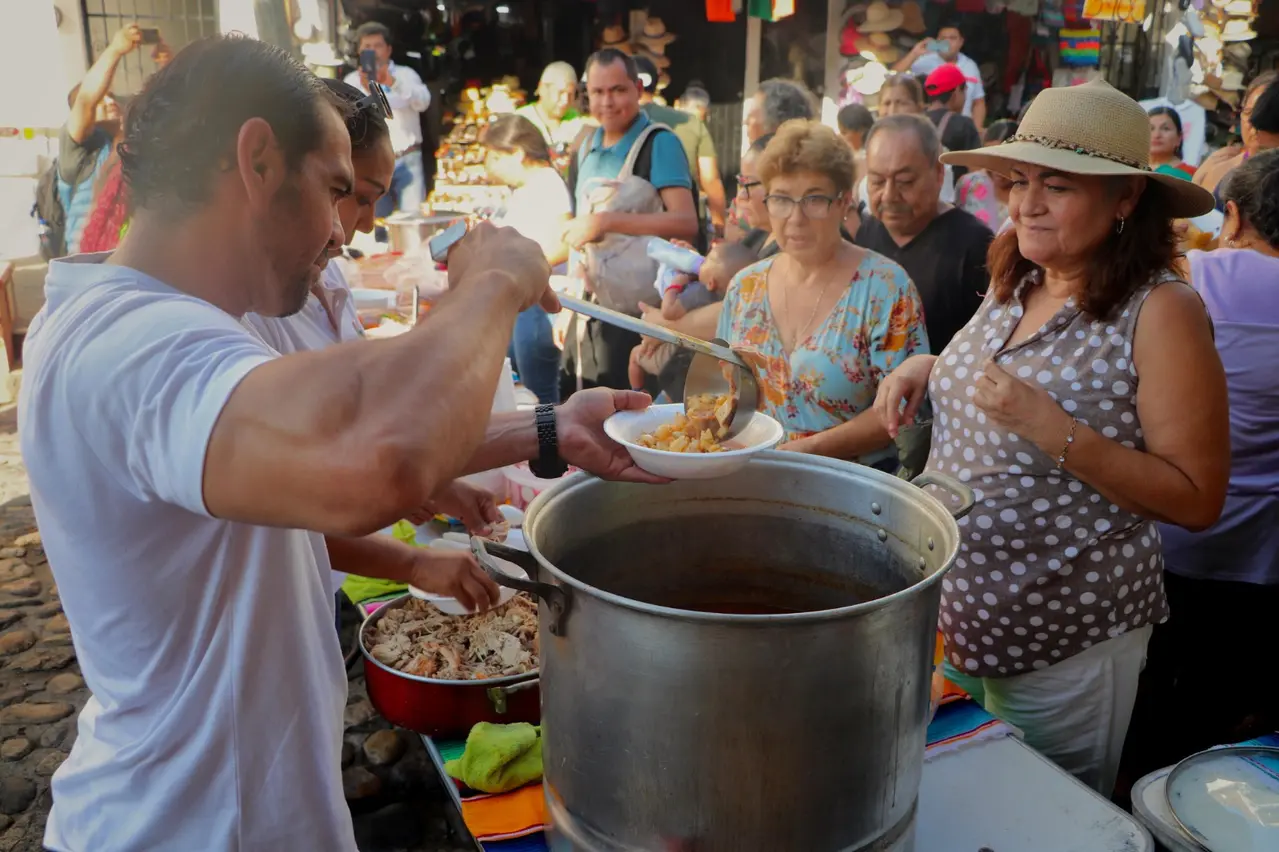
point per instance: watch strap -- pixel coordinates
(548, 464)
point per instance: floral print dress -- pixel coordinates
(834, 373)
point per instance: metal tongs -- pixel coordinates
(716, 369)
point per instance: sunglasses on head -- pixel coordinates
(375, 101)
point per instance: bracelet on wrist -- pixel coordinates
(1065, 447)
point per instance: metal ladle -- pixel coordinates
(715, 369)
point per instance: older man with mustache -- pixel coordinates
(941, 247)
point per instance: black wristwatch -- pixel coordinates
(548, 464)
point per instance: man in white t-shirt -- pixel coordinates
(172, 451)
(929, 54)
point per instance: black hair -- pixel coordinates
(612, 56)
(786, 100)
(1000, 131)
(373, 28)
(1176, 122)
(695, 96)
(644, 67)
(758, 146)
(182, 129)
(367, 126)
(1254, 188)
(942, 97)
(510, 133)
(854, 118)
(1265, 112)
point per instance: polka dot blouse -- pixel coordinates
(1047, 566)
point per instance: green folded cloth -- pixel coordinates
(499, 758)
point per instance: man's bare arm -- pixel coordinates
(347, 440)
(97, 82)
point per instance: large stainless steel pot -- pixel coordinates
(740, 663)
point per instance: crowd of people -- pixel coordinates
(1010, 305)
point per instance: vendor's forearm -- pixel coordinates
(510, 438)
(680, 225)
(353, 437)
(380, 557)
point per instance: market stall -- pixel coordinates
(462, 185)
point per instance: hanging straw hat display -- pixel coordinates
(913, 18)
(655, 36)
(1090, 129)
(615, 37)
(881, 19)
(1238, 30)
(881, 44)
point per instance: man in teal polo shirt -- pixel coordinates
(613, 87)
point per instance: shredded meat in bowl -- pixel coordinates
(418, 639)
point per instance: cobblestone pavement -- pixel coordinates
(398, 804)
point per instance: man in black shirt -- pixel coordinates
(942, 248)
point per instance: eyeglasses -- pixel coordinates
(745, 184)
(814, 206)
(375, 101)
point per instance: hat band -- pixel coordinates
(1063, 145)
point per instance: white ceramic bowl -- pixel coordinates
(762, 433)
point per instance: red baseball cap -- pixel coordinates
(944, 79)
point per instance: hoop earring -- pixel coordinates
(1119, 226)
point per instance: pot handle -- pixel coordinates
(961, 495)
(555, 598)
(497, 694)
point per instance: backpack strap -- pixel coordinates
(579, 149)
(628, 167)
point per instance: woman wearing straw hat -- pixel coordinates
(1084, 402)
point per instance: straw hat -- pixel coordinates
(881, 19)
(655, 35)
(615, 37)
(880, 45)
(1091, 129)
(1237, 30)
(913, 18)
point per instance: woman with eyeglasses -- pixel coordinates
(750, 202)
(823, 320)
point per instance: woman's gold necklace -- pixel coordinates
(802, 335)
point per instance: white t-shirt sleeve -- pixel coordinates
(972, 73)
(154, 388)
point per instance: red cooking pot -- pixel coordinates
(445, 708)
